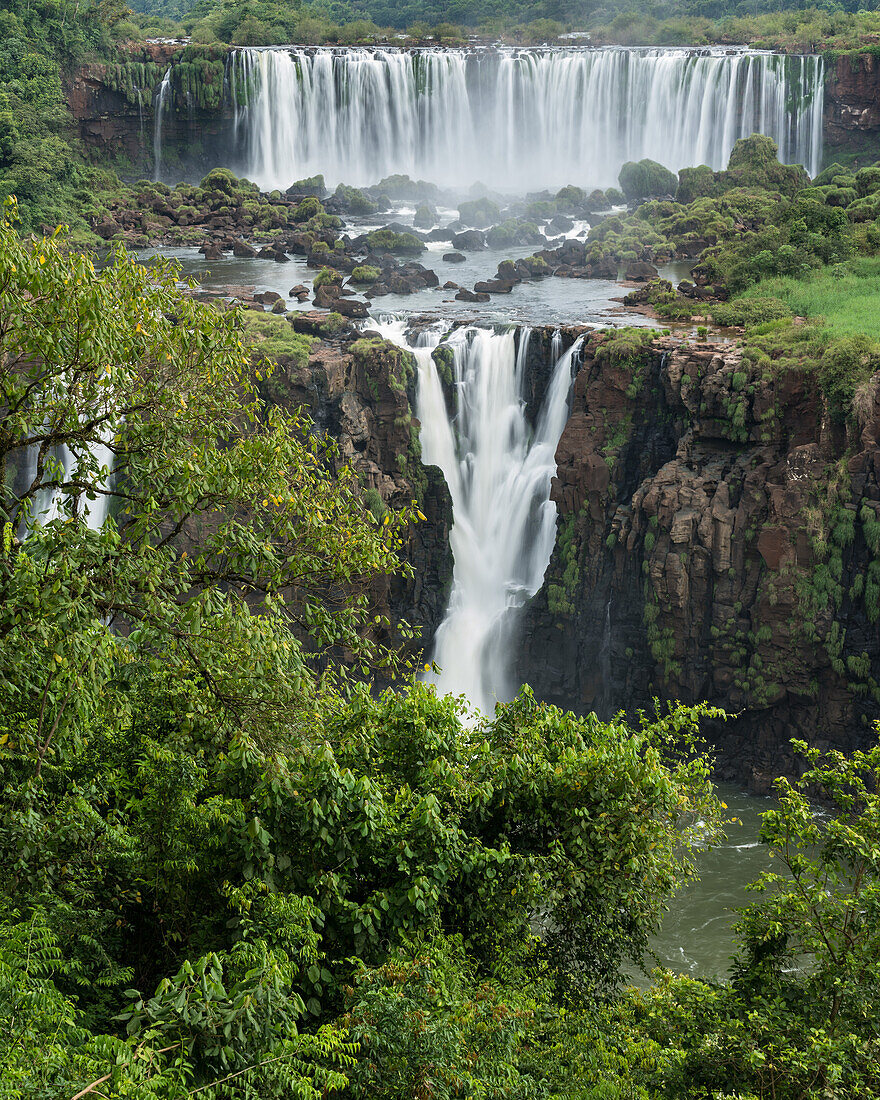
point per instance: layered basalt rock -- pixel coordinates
(852, 106)
(360, 392)
(114, 105)
(716, 542)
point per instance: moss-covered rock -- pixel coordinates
(354, 201)
(308, 208)
(387, 240)
(646, 179)
(479, 213)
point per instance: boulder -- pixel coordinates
(494, 286)
(400, 284)
(327, 296)
(469, 296)
(573, 253)
(639, 272)
(472, 240)
(279, 307)
(560, 224)
(106, 227)
(454, 258)
(351, 307)
(425, 217)
(309, 323)
(243, 250)
(604, 269)
(267, 297)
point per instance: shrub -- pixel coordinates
(867, 180)
(748, 311)
(328, 276)
(365, 274)
(646, 179)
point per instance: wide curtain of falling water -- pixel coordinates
(498, 468)
(512, 119)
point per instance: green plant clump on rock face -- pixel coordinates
(387, 240)
(365, 274)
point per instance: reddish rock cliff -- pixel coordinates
(852, 106)
(719, 539)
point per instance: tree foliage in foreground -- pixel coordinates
(228, 871)
(209, 837)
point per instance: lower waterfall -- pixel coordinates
(498, 468)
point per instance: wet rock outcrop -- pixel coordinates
(719, 539)
(360, 392)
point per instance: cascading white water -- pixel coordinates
(163, 97)
(62, 465)
(513, 119)
(498, 470)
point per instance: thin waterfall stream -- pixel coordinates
(163, 100)
(498, 468)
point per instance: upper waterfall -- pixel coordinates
(514, 119)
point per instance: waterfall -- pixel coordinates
(529, 118)
(163, 97)
(63, 465)
(498, 469)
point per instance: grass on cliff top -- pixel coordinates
(844, 300)
(273, 336)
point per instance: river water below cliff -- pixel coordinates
(697, 933)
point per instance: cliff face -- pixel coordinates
(359, 393)
(718, 539)
(852, 106)
(114, 108)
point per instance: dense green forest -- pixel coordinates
(229, 870)
(581, 14)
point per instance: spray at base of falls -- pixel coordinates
(498, 469)
(513, 118)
